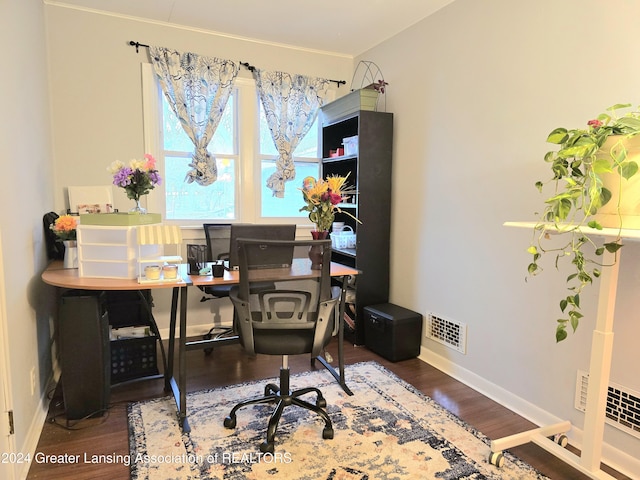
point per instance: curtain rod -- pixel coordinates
(246, 65)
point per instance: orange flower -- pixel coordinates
(65, 227)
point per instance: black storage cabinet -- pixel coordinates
(392, 331)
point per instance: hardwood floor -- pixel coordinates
(229, 365)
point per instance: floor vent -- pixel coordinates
(447, 332)
(623, 404)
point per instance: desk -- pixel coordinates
(68, 278)
(588, 462)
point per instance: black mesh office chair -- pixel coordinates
(218, 245)
(294, 318)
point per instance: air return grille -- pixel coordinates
(623, 404)
(447, 332)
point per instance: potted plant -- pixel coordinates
(589, 171)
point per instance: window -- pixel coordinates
(245, 156)
(190, 201)
(306, 162)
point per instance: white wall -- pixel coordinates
(26, 194)
(475, 90)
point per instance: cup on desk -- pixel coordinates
(217, 269)
(152, 272)
(170, 272)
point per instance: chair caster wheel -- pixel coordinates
(230, 422)
(497, 459)
(561, 439)
(327, 433)
(321, 403)
(266, 447)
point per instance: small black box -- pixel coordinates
(392, 331)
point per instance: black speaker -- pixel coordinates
(83, 333)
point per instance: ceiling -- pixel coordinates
(348, 27)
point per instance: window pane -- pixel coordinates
(308, 147)
(290, 205)
(176, 140)
(190, 201)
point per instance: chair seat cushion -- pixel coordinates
(283, 342)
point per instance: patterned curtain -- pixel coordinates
(197, 89)
(291, 104)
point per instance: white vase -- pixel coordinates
(623, 210)
(70, 254)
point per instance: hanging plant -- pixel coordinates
(579, 168)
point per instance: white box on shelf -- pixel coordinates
(350, 145)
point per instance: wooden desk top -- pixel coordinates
(68, 278)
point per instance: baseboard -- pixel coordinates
(35, 430)
(611, 456)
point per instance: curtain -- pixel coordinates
(291, 104)
(197, 89)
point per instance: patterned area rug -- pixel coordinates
(387, 430)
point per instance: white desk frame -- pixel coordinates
(599, 369)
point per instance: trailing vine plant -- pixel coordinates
(577, 168)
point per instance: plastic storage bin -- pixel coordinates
(392, 331)
(350, 145)
(133, 358)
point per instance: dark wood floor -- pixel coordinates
(229, 365)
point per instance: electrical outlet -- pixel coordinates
(33, 380)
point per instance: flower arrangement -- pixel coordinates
(322, 198)
(65, 227)
(138, 178)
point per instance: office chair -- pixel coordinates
(218, 238)
(294, 318)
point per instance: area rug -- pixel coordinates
(386, 430)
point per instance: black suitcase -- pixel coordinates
(392, 331)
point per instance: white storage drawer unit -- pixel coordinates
(111, 251)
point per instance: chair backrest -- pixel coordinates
(297, 315)
(261, 231)
(218, 240)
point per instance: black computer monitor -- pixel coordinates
(262, 232)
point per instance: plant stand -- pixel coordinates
(588, 462)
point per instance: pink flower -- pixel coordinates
(151, 162)
(594, 123)
(335, 198)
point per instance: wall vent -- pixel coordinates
(623, 404)
(447, 332)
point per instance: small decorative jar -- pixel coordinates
(152, 272)
(170, 272)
